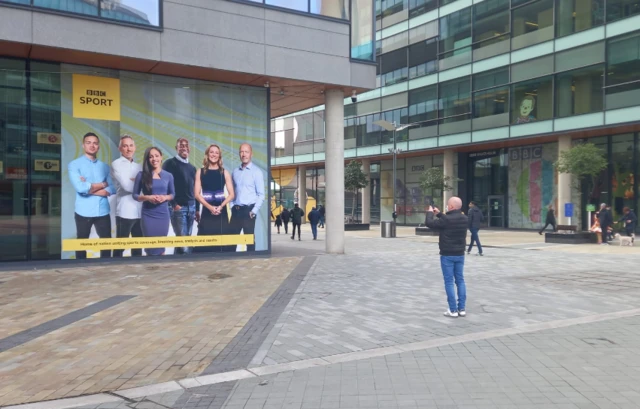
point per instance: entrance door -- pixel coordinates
(495, 213)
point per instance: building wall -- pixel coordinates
(217, 34)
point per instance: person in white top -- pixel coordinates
(123, 172)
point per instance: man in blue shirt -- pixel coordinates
(249, 189)
(91, 180)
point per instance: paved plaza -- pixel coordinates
(548, 326)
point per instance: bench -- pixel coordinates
(566, 228)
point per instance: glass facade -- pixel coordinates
(139, 12)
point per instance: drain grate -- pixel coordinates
(219, 276)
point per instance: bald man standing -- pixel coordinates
(452, 227)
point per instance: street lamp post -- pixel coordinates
(393, 127)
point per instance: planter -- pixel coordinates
(571, 238)
(425, 231)
(356, 226)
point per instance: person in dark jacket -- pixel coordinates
(475, 219)
(550, 220)
(286, 215)
(278, 221)
(606, 220)
(321, 211)
(452, 227)
(629, 220)
(296, 220)
(314, 219)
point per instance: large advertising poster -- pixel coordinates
(156, 165)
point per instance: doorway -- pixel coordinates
(495, 211)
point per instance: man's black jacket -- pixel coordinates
(453, 231)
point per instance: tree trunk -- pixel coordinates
(353, 205)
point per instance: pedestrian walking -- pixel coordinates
(550, 220)
(278, 222)
(629, 221)
(452, 227)
(321, 211)
(475, 219)
(286, 216)
(296, 220)
(314, 219)
(606, 220)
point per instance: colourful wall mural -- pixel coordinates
(533, 179)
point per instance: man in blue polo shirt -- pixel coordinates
(248, 184)
(91, 180)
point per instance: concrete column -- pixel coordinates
(564, 183)
(366, 193)
(448, 171)
(334, 170)
(302, 190)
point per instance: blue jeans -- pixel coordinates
(314, 230)
(182, 223)
(476, 238)
(321, 221)
(452, 270)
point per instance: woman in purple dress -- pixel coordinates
(154, 188)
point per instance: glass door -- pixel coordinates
(495, 212)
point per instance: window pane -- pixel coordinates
(580, 57)
(491, 108)
(393, 43)
(532, 24)
(455, 30)
(423, 104)
(72, 6)
(423, 32)
(455, 98)
(390, 7)
(45, 184)
(491, 78)
(579, 15)
(617, 9)
(393, 67)
(532, 101)
(304, 127)
(300, 5)
(17, 1)
(623, 76)
(331, 8)
(579, 92)
(423, 58)
(622, 188)
(362, 41)
(490, 24)
(417, 7)
(132, 11)
(532, 68)
(14, 207)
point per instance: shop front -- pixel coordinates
(99, 163)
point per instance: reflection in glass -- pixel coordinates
(423, 58)
(423, 104)
(579, 92)
(89, 7)
(362, 41)
(14, 205)
(623, 177)
(491, 78)
(299, 5)
(455, 99)
(455, 30)
(490, 26)
(390, 7)
(45, 184)
(132, 11)
(417, 7)
(532, 24)
(532, 101)
(331, 8)
(623, 73)
(618, 9)
(578, 15)
(393, 67)
(18, 1)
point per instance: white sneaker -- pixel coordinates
(450, 314)
(462, 313)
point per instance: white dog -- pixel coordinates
(625, 240)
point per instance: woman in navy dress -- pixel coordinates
(210, 183)
(154, 188)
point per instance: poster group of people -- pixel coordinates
(154, 195)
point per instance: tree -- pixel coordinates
(434, 179)
(584, 161)
(354, 180)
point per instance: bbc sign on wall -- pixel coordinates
(530, 152)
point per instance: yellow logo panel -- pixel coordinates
(96, 97)
(47, 165)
